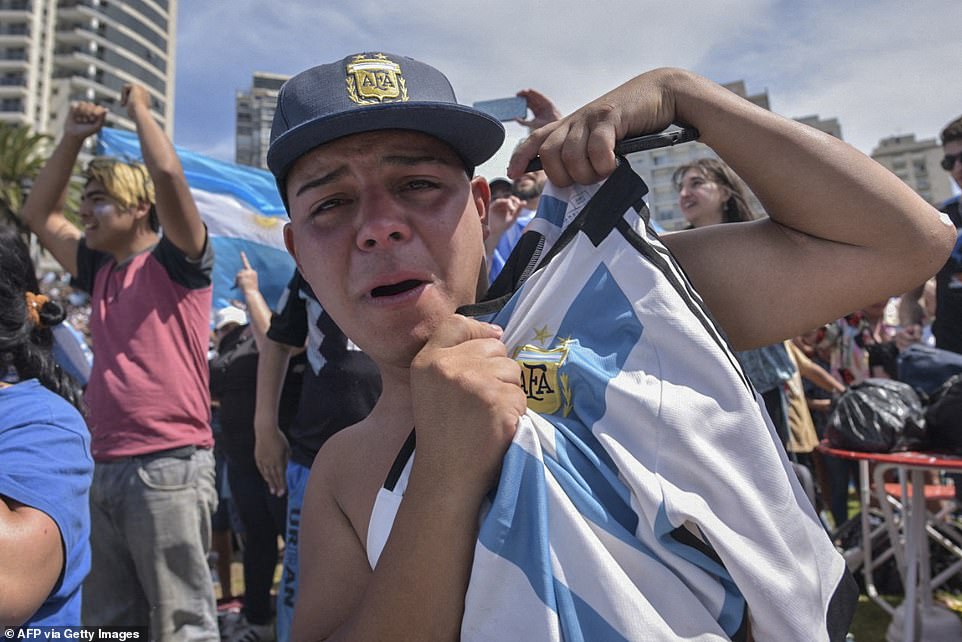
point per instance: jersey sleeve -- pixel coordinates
(193, 274)
(88, 262)
(289, 323)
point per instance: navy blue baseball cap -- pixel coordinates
(369, 92)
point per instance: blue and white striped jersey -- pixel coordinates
(645, 495)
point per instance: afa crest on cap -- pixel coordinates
(374, 91)
(374, 80)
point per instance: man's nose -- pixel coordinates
(383, 224)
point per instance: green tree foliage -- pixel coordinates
(22, 156)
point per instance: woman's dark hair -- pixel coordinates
(736, 207)
(24, 345)
(952, 131)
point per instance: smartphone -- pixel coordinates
(504, 109)
(666, 138)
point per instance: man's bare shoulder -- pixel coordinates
(352, 465)
(344, 451)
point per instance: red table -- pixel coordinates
(913, 558)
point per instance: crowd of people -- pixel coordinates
(364, 423)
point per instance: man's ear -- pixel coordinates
(141, 210)
(481, 194)
(289, 244)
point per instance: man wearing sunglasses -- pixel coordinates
(947, 327)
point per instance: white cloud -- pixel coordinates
(881, 67)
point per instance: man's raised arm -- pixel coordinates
(175, 205)
(832, 210)
(43, 211)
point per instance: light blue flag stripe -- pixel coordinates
(242, 210)
(249, 184)
(552, 210)
(516, 528)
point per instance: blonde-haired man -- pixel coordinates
(148, 400)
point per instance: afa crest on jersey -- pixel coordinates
(547, 389)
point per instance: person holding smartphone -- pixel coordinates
(509, 217)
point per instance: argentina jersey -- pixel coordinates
(645, 496)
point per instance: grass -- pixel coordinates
(871, 621)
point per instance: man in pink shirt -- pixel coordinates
(147, 398)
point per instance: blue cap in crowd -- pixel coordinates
(369, 92)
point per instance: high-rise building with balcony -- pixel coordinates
(255, 113)
(54, 52)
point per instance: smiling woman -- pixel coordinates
(709, 192)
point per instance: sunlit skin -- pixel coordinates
(702, 200)
(388, 230)
(953, 148)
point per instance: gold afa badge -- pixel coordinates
(375, 79)
(546, 390)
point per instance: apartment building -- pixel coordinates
(255, 113)
(54, 52)
(916, 162)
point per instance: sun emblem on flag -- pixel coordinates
(266, 222)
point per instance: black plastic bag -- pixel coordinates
(943, 417)
(879, 416)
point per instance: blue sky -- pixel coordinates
(882, 67)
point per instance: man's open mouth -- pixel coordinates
(396, 288)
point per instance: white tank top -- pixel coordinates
(388, 500)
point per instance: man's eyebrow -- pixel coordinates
(96, 192)
(322, 180)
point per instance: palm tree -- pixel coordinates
(22, 155)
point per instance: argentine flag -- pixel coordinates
(242, 210)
